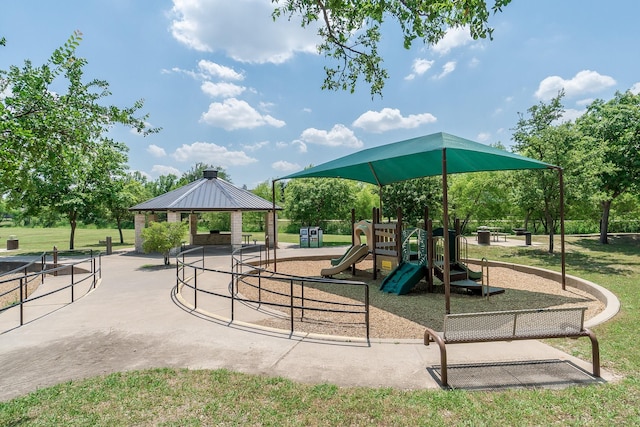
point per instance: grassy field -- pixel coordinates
(181, 397)
(38, 240)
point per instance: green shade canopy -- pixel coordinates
(419, 157)
(438, 154)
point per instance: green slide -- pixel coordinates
(403, 278)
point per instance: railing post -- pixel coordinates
(72, 282)
(302, 299)
(195, 289)
(43, 265)
(21, 305)
(366, 309)
(55, 261)
(26, 284)
(291, 301)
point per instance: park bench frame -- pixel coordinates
(510, 326)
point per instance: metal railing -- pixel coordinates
(248, 269)
(31, 277)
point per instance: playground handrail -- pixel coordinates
(246, 268)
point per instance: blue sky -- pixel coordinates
(230, 87)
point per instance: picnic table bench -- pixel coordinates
(512, 325)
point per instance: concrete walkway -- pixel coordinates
(132, 321)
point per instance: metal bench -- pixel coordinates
(512, 325)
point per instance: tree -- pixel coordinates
(195, 173)
(310, 201)
(119, 195)
(614, 128)
(54, 151)
(482, 195)
(162, 237)
(412, 197)
(162, 185)
(350, 31)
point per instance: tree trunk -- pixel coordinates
(604, 222)
(549, 222)
(119, 222)
(73, 223)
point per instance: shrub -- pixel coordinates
(162, 237)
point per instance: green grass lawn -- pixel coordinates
(178, 397)
(38, 240)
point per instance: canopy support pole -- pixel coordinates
(445, 234)
(275, 228)
(562, 249)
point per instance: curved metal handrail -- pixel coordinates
(25, 278)
(248, 269)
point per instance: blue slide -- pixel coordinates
(403, 278)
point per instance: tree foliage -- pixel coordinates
(162, 237)
(412, 197)
(350, 31)
(613, 127)
(53, 127)
(310, 201)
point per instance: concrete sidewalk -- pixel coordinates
(133, 321)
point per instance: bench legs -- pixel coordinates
(431, 335)
(595, 353)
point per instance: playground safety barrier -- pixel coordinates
(248, 268)
(76, 276)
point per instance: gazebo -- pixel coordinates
(208, 194)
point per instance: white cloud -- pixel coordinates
(256, 146)
(234, 114)
(211, 69)
(156, 151)
(389, 119)
(585, 101)
(285, 166)
(474, 62)
(222, 90)
(302, 147)
(586, 81)
(338, 136)
(483, 137)
(447, 69)
(243, 29)
(211, 153)
(635, 89)
(165, 170)
(455, 37)
(419, 67)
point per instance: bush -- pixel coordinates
(162, 237)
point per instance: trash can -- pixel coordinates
(304, 237)
(527, 238)
(484, 237)
(315, 237)
(12, 243)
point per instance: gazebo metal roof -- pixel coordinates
(209, 193)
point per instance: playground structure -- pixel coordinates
(405, 256)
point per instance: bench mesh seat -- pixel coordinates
(512, 325)
(492, 326)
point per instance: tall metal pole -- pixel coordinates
(564, 272)
(275, 227)
(445, 234)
